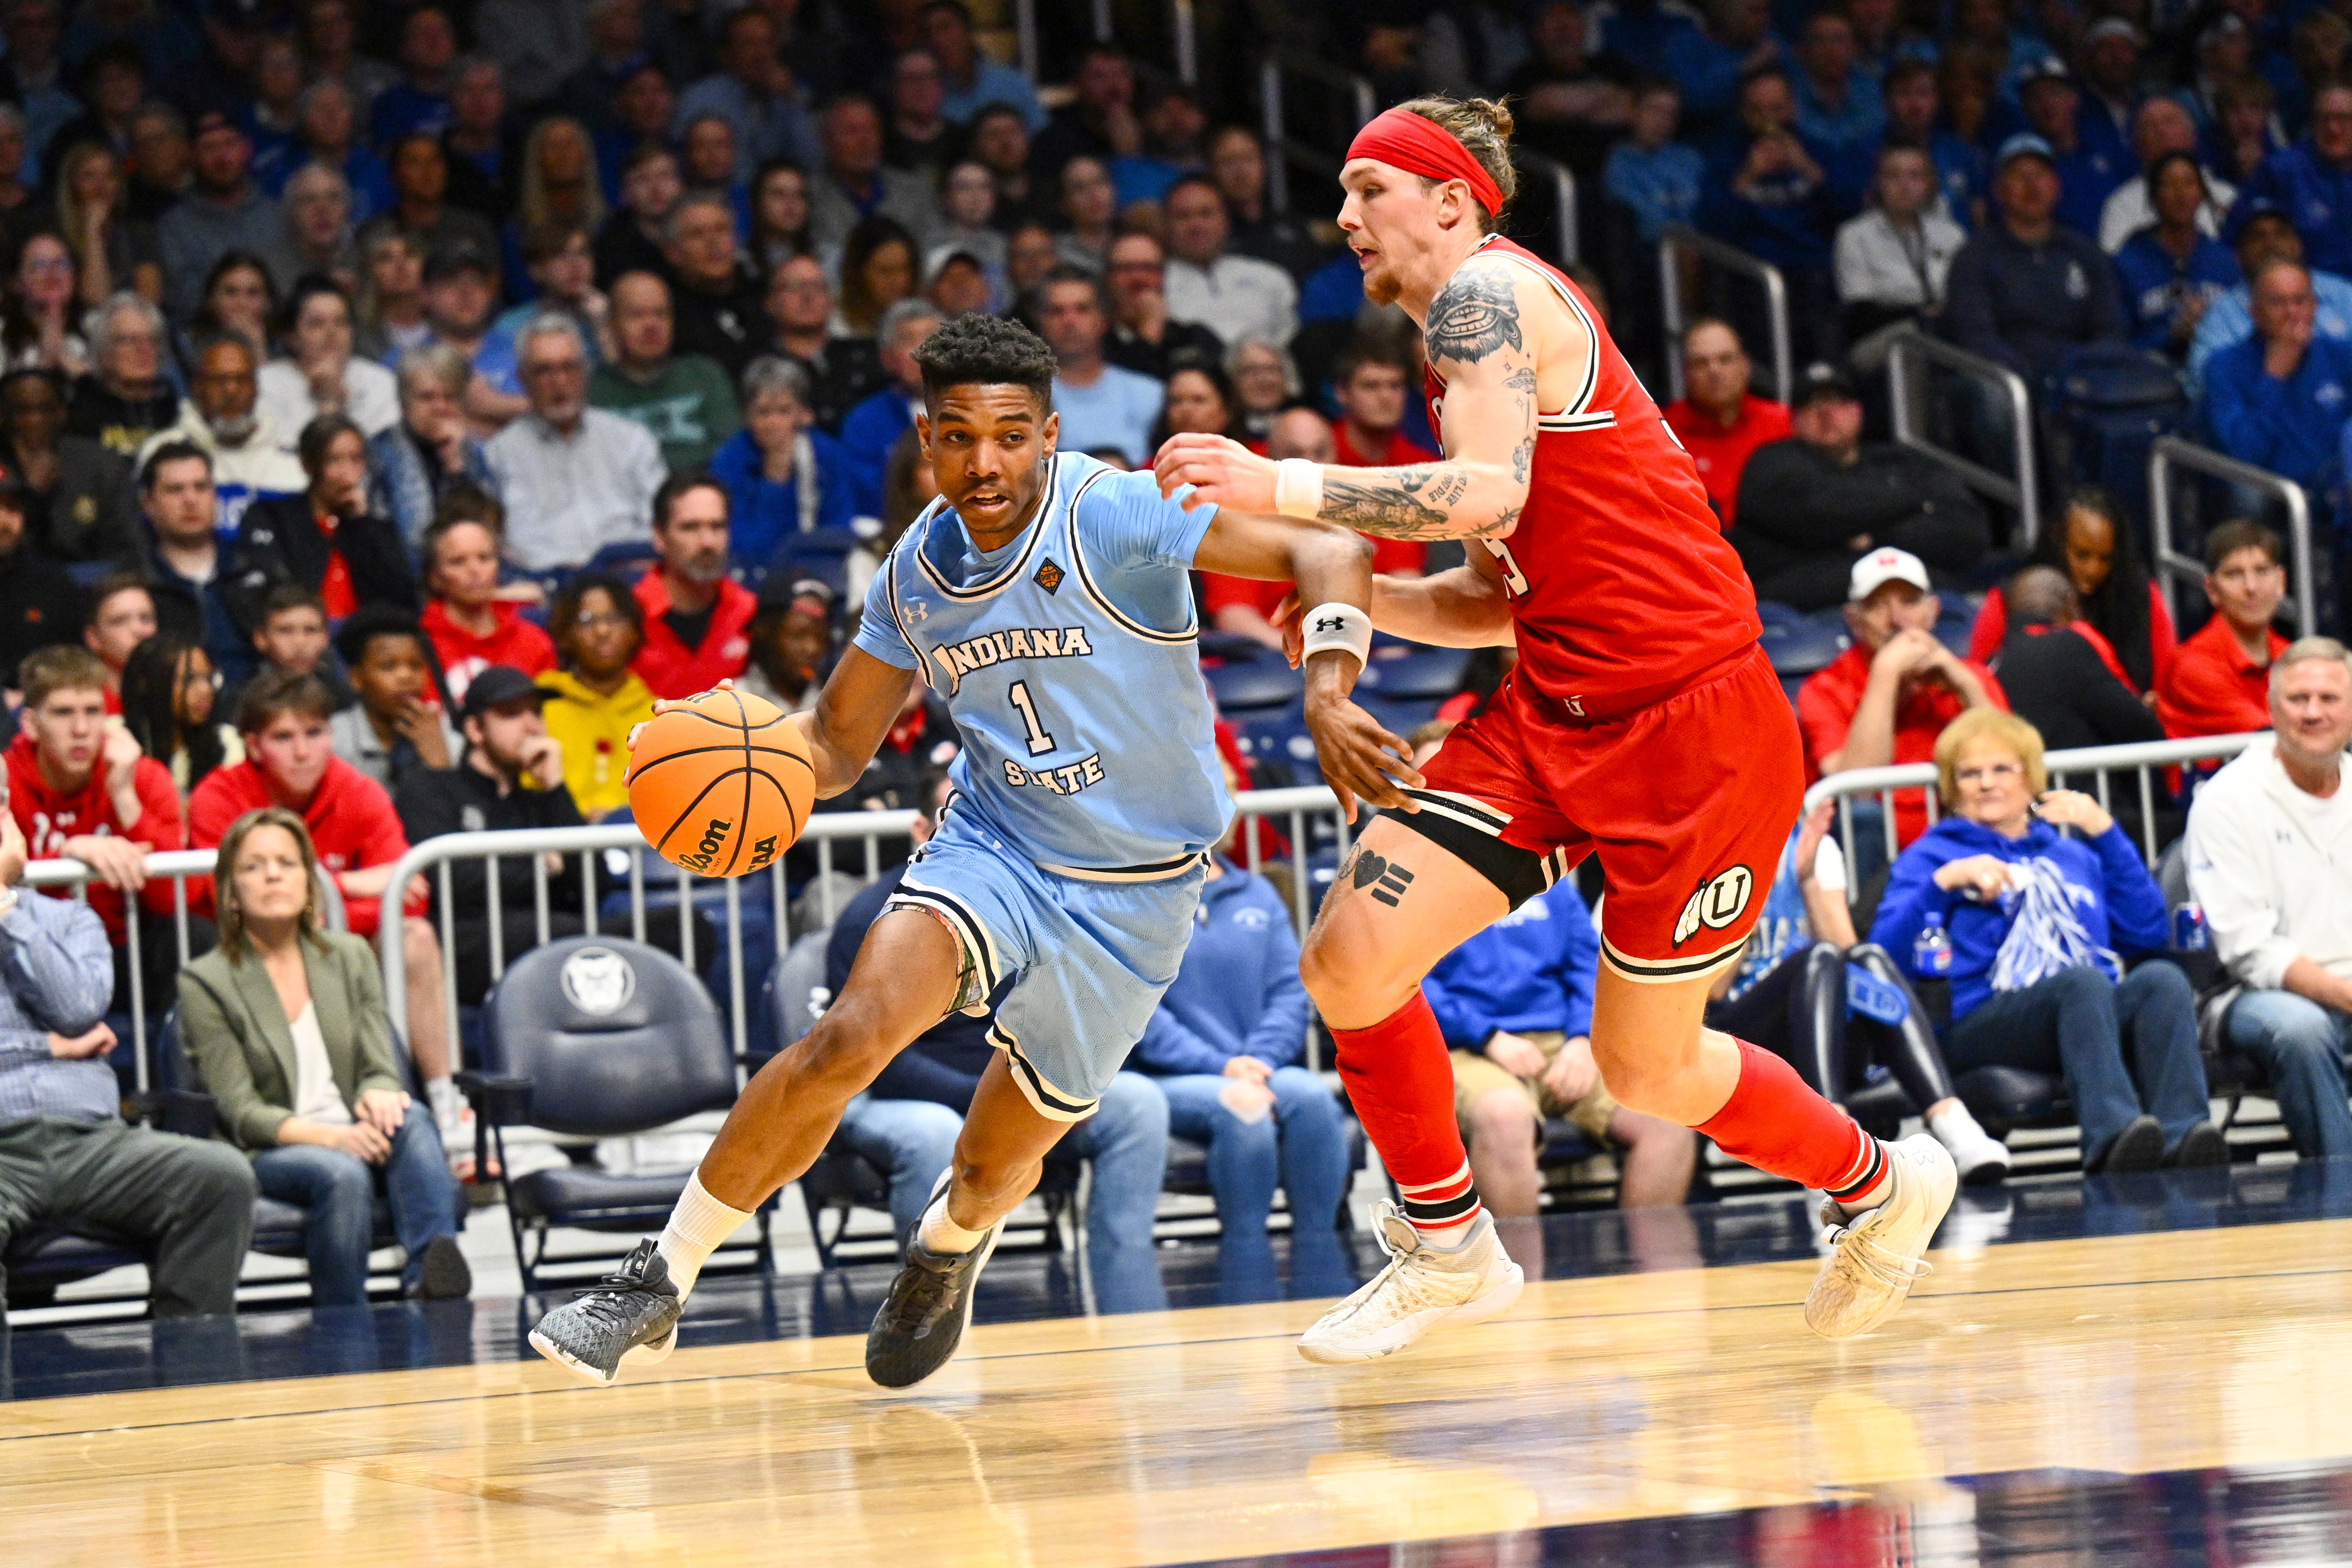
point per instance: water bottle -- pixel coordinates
(2188, 933)
(1931, 950)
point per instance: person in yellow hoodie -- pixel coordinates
(597, 626)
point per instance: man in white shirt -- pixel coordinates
(1101, 405)
(2159, 126)
(1235, 297)
(251, 460)
(2270, 860)
(573, 478)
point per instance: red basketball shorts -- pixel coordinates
(1688, 803)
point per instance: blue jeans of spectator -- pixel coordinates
(2300, 1046)
(2081, 1023)
(910, 1141)
(1125, 1141)
(336, 1192)
(1300, 1141)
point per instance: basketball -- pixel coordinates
(720, 785)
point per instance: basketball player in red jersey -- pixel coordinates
(1643, 723)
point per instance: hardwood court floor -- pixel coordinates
(1195, 1435)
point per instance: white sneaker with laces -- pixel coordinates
(1874, 1259)
(1422, 1288)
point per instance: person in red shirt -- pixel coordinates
(290, 761)
(1370, 387)
(1885, 699)
(80, 787)
(2220, 680)
(471, 627)
(1719, 421)
(122, 616)
(698, 620)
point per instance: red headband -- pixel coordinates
(1404, 140)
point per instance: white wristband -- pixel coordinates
(1298, 487)
(1337, 626)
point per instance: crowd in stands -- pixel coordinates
(395, 402)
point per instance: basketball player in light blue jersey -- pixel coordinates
(1047, 598)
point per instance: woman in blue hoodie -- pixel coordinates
(2032, 927)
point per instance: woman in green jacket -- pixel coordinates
(285, 1023)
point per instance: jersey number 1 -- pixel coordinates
(1513, 578)
(1040, 742)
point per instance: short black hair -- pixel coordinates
(172, 451)
(2242, 533)
(684, 482)
(369, 622)
(284, 597)
(988, 351)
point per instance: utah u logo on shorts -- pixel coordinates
(1717, 904)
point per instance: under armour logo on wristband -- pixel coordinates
(1331, 623)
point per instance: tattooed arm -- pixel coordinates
(1482, 341)
(1465, 607)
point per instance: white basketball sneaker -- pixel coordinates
(1422, 1288)
(1874, 1259)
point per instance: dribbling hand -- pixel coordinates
(1220, 469)
(1360, 760)
(663, 705)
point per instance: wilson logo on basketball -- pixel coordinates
(714, 840)
(1717, 904)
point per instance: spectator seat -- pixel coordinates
(598, 1036)
(1256, 687)
(1431, 674)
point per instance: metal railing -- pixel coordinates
(2172, 566)
(2142, 758)
(1563, 185)
(2017, 488)
(1731, 258)
(1024, 29)
(1283, 151)
(1187, 41)
(178, 866)
(627, 857)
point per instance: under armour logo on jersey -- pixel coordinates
(1048, 577)
(1717, 904)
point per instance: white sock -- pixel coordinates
(442, 1096)
(696, 1228)
(941, 1236)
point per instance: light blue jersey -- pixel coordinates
(1071, 856)
(1069, 661)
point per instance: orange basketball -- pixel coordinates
(720, 785)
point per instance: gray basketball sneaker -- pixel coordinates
(923, 1318)
(630, 1315)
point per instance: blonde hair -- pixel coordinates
(534, 203)
(1484, 126)
(228, 912)
(1988, 724)
(2308, 650)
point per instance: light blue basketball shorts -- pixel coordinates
(1089, 957)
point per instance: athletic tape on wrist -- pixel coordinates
(1337, 626)
(1298, 487)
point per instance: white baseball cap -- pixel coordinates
(1880, 567)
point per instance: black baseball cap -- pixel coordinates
(457, 256)
(498, 686)
(1821, 379)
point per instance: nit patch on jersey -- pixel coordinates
(1048, 577)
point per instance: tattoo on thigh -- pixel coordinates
(1386, 879)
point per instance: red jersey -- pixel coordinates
(1721, 452)
(351, 820)
(1825, 709)
(513, 642)
(1622, 586)
(669, 668)
(2213, 689)
(49, 818)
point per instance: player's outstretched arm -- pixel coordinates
(1360, 760)
(860, 702)
(1481, 339)
(1464, 608)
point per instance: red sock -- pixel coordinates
(1401, 1085)
(1774, 1122)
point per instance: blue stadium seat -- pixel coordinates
(1431, 672)
(596, 1037)
(1249, 688)
(624, 558)
(1798, 647)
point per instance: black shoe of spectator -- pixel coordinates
(2202, 1144)
(2138, 1147)
(446, 1275)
